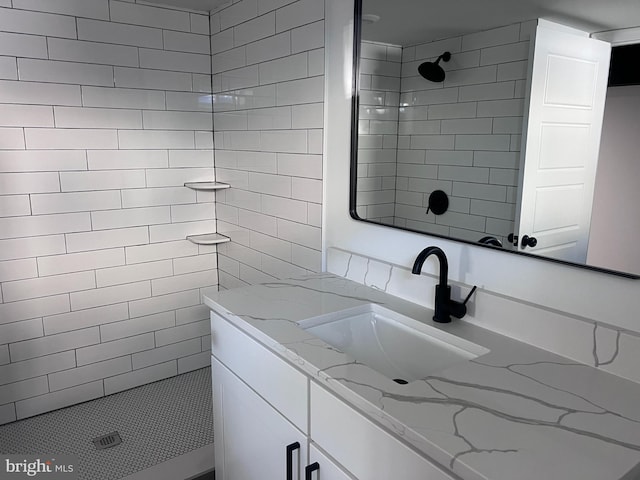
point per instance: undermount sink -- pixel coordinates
(399, 347)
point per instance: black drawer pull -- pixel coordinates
(290, 449)
(310, 469)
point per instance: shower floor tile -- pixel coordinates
(157, 422)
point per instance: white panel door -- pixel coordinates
(251, 437)
(561, 143)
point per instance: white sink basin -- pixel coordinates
(394, 345)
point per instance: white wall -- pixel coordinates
(578, 293)
(615, 224)
(268, 65)
(105, 112)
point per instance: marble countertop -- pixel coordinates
(515, 413)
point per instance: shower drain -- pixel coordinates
(107, 441)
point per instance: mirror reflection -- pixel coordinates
(501, 124)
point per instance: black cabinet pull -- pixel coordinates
(290, 449)
(310, 469)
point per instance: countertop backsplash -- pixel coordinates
(590, 342)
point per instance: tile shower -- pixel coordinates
(107, 110)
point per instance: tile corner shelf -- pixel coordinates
(206, 185)
(208, 239)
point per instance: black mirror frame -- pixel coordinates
(353, 173)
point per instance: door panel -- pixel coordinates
(251, 437)
(328, 469)
(367, 451)
(568, 84)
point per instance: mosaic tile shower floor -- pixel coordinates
(157, 422)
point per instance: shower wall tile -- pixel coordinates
(75, 202)
(47, 286)
(24, 330)
(23, 389)
(33, 93)
(192, 314)
(4, 354)
(58, 264)
(140, 377)
(136, 326)
(37, 367)
(66, 322)
(268, 65)
(194, 362)
(8, 69)
(119, 33)
(62, 398)
(80, 8)
(37, 23)
(164, 303)
(18, 269)
(182, 332)
(23, 45)
(81, 375)
(136, 14)
(105, 113)
(37, 307)
(117, 348)
(470, 127)
(61, 342)
(298, 13)
(152, 79)
(166, 353)
(7, 413)
(379, 114)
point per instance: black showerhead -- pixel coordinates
(432, 71)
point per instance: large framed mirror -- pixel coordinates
(515, 126)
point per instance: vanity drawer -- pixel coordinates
(284, 387)
(364, 449)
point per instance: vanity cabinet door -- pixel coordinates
(271, 377)
(364, 449)
(251, 437)
(328, 469)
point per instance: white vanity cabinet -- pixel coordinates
(260, 408)
(363, 448)
(251, 437)
(262, 405)
(328, 470)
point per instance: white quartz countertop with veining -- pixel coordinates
(516, 413)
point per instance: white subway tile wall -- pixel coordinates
(105, 112)
(380, 75)
(268, 83)
(462, 136)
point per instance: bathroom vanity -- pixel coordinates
(496, 409)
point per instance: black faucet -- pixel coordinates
(444, 306)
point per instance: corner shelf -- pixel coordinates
(206, 185)
(208, 239)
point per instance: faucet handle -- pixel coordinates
(459, 309)
(470, 293)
